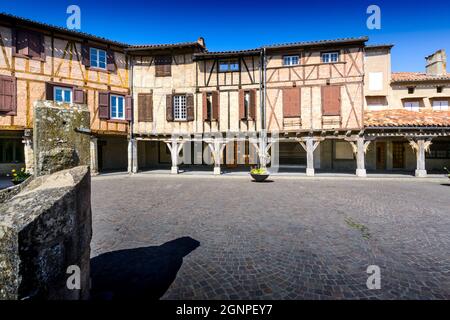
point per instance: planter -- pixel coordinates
(17, 182)
(259, 177)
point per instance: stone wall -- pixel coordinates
(43, 230)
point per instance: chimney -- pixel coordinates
(437, 63)
(201, 42)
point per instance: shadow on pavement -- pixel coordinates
(139, 273)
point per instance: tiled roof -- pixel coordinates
(417, 76)
(318, 43)
(378, 46)
(32, 23)
(210, 54)
(163, 46)
(405, 118)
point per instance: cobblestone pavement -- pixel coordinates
(289, 239)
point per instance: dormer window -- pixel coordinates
(291, 60)
(228, 66)
(330, 57)
(98, 58)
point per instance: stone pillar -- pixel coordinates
(132, 156)
(360, 157)
(175, 148)
(310, 146)
(420, 154)
(28, 153)
(94, 155)
(217, 149)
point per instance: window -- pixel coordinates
(61, 94)
(98, 58)
(439, 89)
(246, 104)
(411, 90)
(117, 107)
(209, 105)
(179, 108)
(29, 44)
(226, 66)
(330, 57)
(290, 60)
(440, 105)
(439, 150)
(376, 81)
(412, 105)
(163, 66)
(11, 151)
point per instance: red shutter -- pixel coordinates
(241, 104)
(215, 105)
(129, 108)
(111, 61)
(252, 106)
(103, 105)
(49, 91)
(8, 95)
(78, 96)
(331, 100)
(205, 106)
(85, 55)
(145, 107)
(169, 107)
(190, 107)
(291, 102)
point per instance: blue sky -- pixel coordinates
(417, 28)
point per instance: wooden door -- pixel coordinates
(381, 155)
(398, 155)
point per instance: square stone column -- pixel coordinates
(132, 156)
(360, 157)
(310, 145)
(421, 171)
(28, 152)
(94, 155)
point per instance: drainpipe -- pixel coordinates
(132, 117)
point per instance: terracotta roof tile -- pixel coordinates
(406, 118)
(416, 76)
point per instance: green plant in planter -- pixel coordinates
(258, 171)
(19, 176)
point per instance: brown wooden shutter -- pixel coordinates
(78, 96)
(205, 106)
(86, 60)
(163, 66)
(111, 61)
(292, 102)
(252, 105)
(49, 91)
(331, 100)
(8, 95)
(128, 108)
(145, 107)
(241, 104)
(190, 107)
(35, 44)
(169, 107)
(103, 105)
(215, 105)
(22, 42)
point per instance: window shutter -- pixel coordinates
(85, 55)
(8, 96)
(205, 106)
(190, 107)
(103, 105)
(241, 104)
(331, 100)
(78, 96)
(111, 61)
(22, 42)
(252, 106)
(163, 66)
(35, 44)
(129, 108)
(292, 102)
(169, 108)
(49, 91)
(215, 105)
(145, 107)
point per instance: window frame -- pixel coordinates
(229, 63)
(117, 96)
(329, 54)
(290, 57)
(440, 107)
(247, 104)
(97, 62)
(434, 149)
(411, 108)
(63, 89)
(177, 107)
(209, 106)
